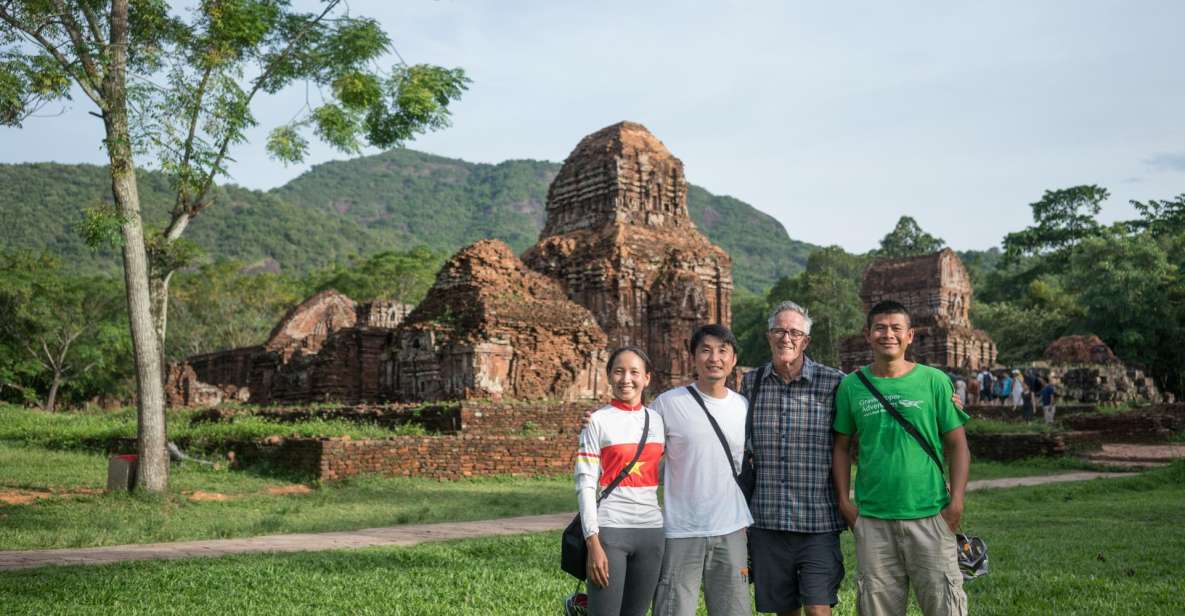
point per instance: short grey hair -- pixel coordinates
(789, 306)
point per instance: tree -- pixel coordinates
(829, 289)
(908, 239)
(221, 307)
(63, 326)
(1134, 300)
(401, 276)
(188, 100)
(1062, 219)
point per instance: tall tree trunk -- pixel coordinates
(153, 474)
(52, 398)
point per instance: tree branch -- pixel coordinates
(181, 220)
(182, 204)
(92, 21)
(84, 81)
(75, 32)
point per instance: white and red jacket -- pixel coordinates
(607, 444)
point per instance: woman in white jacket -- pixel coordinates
(624, 532)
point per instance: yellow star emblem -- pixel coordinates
(636, 469)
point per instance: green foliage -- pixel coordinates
(95, 430)
(100, 227)
(761, 250)
(1135, 300)
(829, 288)
(1062, 219)
(907, 239)
(401, 276)
(1161, 218)
(62, 335)
(220, 307)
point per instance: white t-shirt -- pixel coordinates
(700, 496)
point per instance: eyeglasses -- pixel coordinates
(794, 334)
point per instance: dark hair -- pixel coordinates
(628, 349)
(887, 307)
(715, 330)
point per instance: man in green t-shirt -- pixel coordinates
(904, 518)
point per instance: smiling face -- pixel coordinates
(714, 359)
(628, 377)
(889, 335)
(788, 339)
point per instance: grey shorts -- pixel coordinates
(791, 570)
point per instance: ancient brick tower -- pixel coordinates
(619, 239)
(936, 290)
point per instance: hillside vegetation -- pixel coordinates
(391, 201)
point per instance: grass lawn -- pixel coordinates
(1103, 547)
(79, 515)
(77, 518)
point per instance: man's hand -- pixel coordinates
(598, 563)
(587, 416)
(952, 513)
(849, 512)
(957, 400)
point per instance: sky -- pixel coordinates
(835, 119)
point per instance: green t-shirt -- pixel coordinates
(896, 479)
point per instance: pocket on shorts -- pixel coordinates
(956, 597)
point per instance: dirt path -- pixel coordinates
(396, 535)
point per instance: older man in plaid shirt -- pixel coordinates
(794, 540)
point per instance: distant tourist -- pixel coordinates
(1027, 400)
(973, 388)
(988, 386)
(624, 532)
(1016, 395)
(705, 511)
(961, 390)
(796, 520)
(1048, 393)
(904, 518)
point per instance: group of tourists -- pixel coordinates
(802, 424)
(1022, 391)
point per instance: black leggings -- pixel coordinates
(635, 560)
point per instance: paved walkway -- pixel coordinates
(396, 535)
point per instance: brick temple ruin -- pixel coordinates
(936, 289)
(1086, 370)
(619, 261)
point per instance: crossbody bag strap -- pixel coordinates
(719, 433)
(917, 436)
(626, 469)
(762, 372)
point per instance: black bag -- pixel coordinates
(573, 549)
(964, 554)
(747, 478)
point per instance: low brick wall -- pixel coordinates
(1132, 426)
(1019, 445)
(524, 418)
(438, 457)
(1005, 413)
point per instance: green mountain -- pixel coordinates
(394, 200)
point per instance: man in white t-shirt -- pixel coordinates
(704, 511)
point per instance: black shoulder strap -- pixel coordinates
(626, 469)
(719, 433)
(917, 436)
(758, 379)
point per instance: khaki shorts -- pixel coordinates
(893, 555)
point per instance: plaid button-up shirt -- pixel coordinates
(792, 438)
